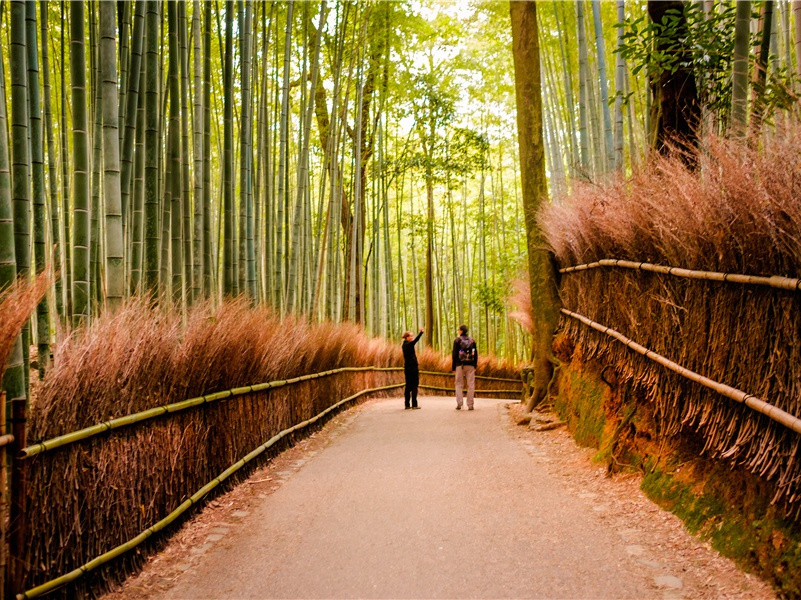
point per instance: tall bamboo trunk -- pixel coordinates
(584, 130)
(175, 180)
(152, 148)
(197, 155)
(52, 177)
(38, 183)
(228, 159)
(739, 88)
(115, 242)
(14, 378)
(600, 45)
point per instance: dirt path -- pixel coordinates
(436, 503)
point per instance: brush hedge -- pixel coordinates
(740, 212)
(91, 496)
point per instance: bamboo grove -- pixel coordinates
(307, 155)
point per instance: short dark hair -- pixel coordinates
(463, 328)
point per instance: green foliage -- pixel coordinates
(705, 45)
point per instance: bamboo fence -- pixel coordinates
(194, 499)
(751, 401)
(145, 470)
(774, 281)
(746, 335)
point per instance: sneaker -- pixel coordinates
(458, 408)
(470, 408)
(415, 408)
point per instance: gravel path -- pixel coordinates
(436, 503)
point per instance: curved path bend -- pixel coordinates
(437, 503)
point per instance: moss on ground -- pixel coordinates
(728, 507)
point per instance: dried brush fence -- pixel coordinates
(116, 451)
(705, 275)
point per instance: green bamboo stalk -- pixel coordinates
(14, 378)
(206, 200)
(38, 183)
(131, 110)
(198, 156)
(20, 158)
(65, 174)
(152, 148)
(52, 178)
(739, 93)
(138, 196)
(186, 189)
(174, 182)
(115, 263)
(95, 248)
(608, 146)
(247, 247)
(191, 501)
(228, 159)
(584, 130)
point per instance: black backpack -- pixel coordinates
(467, 350)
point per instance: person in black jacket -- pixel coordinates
(411, 370)
(464, 362)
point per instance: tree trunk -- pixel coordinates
(544, 297)
(679, 108)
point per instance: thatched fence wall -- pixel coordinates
(143, 449)
(700, 267)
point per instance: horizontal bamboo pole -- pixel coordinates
(187, 504)
(774, 281)
(6, 440)
(477, 392)
(151, 413)
(451, 374)
(773, 412)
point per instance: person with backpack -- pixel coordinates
(410, 370)
(464, 362)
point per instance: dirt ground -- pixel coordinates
(557, 526)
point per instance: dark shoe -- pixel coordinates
(458, 408)
(415, 408)
(470, 408)
(406, 407)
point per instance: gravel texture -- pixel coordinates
(436, 503)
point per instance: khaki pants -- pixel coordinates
(465, 372)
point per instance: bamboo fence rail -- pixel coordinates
(774, 281)
(152, 413)
(757, 404)
(192, 500)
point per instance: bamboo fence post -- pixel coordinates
(3, 493)
(15, 577)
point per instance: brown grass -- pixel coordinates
(740, 213)
(16, 306)
(91, 496)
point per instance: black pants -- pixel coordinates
(410, 391)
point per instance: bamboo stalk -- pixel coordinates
(774, 281)
(751, 401)
(152, 413)
(191, 501)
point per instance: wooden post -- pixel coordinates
(16, 563)
(3, 492)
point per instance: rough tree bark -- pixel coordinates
(544, 296)
(675, 93)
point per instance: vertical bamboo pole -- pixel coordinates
(17, 517)
(3, 493)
